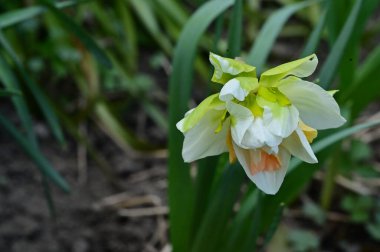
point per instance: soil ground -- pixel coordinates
(85, 219)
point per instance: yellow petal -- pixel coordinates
(309, 132)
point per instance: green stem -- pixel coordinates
(329, 181)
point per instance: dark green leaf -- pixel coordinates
(270, 31)
(181, 189)
(80, 33)
(35, 154)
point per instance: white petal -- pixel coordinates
(241, 120)
(280, 120)
(202, 141)
(316, 106)
(232, 89)
(298, 146)
(267, 181)
(258, 136)
(238, 88)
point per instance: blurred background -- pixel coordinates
(85, 119)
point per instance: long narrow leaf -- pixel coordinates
(300, 173)
(366, 85)
(221, 207)
(331, 65)
(241, 223)
(10, 93)
(35, 154)
(148, 18)
(80, 33)
(10, 81)
(36, 91)
(181, 190)
(235, 30)
(13, 17)
(270, 31)
(350, 58)
(314, 38)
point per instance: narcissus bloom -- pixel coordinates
(260, 122)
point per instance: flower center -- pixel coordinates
(251, 103)
(272, 94)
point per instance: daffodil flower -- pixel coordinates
(260, 122)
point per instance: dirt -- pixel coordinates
(80, 224)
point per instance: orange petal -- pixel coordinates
(266, 162)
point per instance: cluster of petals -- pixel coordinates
(260, 122)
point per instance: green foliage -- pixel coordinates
(100, 50)
(181, 190)
(359, 207)
(303, 240)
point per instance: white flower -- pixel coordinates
(260, 122)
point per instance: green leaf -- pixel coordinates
(303, 240)
(173, 9)
(206, 174)
(219, 211)
(16, 16)
(359, 207)
(350, 58)
(241, 223)
(36, 91)
(300, 173)
(313, 41)
(35, 154)
(333, 61)
(155, 114)
(181, 189)
(365, 87)
(235, 30)
(145, 12)
(80, 33)
(10, 81)
(270, 31)
(10, 93)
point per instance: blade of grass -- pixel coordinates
(174, 10)
(10, 93)
(181, 189)
(155, 114)
(206, 174)
(365, 87)
(270, 31)
(145, 12)
(350, 57)
(206, 171)
(250, 244)
(314, 38)
(203, 223)
(13, 17)
(49, 197)
(219, 211)
(10, 81)
(235, 30)
(119, 133)
(299, 173)
(80, 33)
(273, 227)
(36, 91)
(130, 28)
(333, 61)
(241, 223)
(42, 163)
